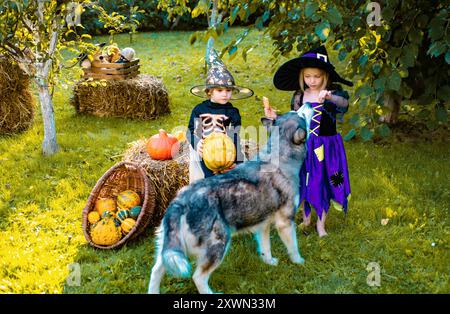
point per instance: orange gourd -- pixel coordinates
(162, 146)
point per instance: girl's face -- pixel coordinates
(221, 95)
(314, 78)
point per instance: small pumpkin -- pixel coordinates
(123, 214)
(163, 146)
(128, 199)
(105, 232)
(219, 152)
(127, 225)
(93, 217)
(135, 211)
(105, 204)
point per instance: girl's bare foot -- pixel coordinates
(321, 226)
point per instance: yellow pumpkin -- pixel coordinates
(128, 199)
(127, 225)
(93, 217)
(219, 152)
(105, 232)
(105, 204)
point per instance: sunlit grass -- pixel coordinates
(41, 199)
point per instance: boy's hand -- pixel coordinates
(200, 148)
(268, 111)
(324, 94)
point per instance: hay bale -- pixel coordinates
(167, 176)
(17, 104)
(143, 97)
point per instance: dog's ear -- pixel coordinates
(267, 122)
(299, 136)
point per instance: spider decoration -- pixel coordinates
(337, 179)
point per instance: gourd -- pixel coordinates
(93, 217)
(105, 232)
(135, 211)
(219, 152)
(162, 146)
(128, 199)
(127, 225)
(105, 204)
(123, 214)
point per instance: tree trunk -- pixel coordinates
(49, 145)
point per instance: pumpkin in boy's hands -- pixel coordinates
(128, 199)
(219, 152)
(127, 225)
(162, 146)
(105, 204)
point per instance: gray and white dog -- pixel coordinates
(199, 222)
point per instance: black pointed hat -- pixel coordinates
(219, 76)
(286, 77)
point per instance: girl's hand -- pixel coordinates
(324, 94)
(200, 148)
(268, 111)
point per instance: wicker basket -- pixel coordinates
(109, 71)
(120, 177)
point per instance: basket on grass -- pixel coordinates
(124, 176)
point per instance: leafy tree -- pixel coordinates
(394, 50)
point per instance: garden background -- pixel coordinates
(398, 214)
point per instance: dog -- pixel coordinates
(260, 192)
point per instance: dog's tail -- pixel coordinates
(173, 254)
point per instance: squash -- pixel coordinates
(105, 204)
(123, 214)
(219, 152)
(180, 136)
(127, 225)
(135, 211)
(128, 199)
(93, 217)
(105, 232)
(163, 146)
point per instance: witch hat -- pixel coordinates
(219, 76)
(286, 77)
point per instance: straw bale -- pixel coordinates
(17, 104)
(143, 97)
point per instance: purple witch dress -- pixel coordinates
(324, 174)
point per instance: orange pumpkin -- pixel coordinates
(162, 146)
(105, 204)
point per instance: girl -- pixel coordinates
(324, 174)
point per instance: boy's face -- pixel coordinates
(314, 78)
(221, 95)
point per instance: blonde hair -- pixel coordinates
(302, 80)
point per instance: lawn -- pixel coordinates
(42, 247)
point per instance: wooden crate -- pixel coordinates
(109, 71)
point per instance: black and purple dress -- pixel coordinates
(324, 175)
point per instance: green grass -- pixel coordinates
(41, 200)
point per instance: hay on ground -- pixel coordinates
(143, 97)
(17, 104)
(169, 176)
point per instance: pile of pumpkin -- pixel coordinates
(219, 152)
(112, 219)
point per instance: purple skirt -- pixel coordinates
(324, 174)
